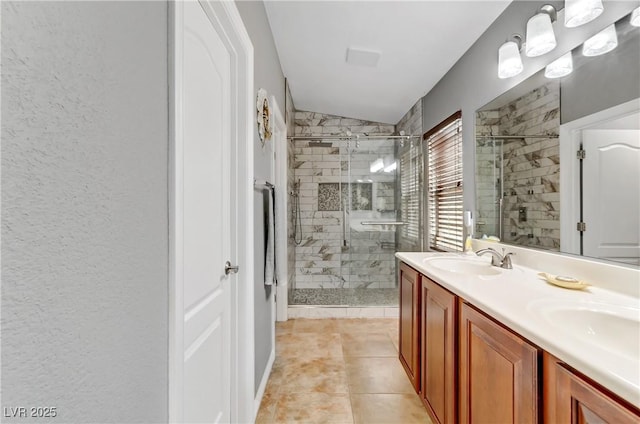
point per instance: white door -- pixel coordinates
(611, 196)
(206, 220)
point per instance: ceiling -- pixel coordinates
(418, 42)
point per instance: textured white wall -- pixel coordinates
(84, 209)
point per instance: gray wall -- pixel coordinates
(473, 81)
(267, 75)
(612, 79)
(84, 217)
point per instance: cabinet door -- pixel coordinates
(498, 372)
(438, 352)
(569, 399)
(409, 323)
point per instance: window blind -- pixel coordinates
(444, 147)
(410, 196)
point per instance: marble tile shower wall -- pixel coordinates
(411, 122)
(531, 168)
(333, 255)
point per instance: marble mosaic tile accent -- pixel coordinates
(329, 197)
(354, 297)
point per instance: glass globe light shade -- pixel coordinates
(540, 36)
(635, 17)
(601, 43)
(579, 12)
(560, 67)
(509, 60)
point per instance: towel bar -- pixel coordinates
(261, 185)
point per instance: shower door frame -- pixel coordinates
(347, 214)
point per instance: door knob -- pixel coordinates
(228, 269)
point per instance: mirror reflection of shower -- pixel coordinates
(507, 196)
(297, 227)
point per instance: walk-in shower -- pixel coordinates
(345, 219)
(512, 196)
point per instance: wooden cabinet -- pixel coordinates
(409, 345)
(571, 399)
(498, 372)
(469, 368)
(438, 351)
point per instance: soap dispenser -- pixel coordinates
(468, 223)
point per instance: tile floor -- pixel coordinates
(339, 371)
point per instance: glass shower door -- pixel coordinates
(370, 219)
(489, 187)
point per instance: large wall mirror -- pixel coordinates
(558, 159)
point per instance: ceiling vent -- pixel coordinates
(360, 57)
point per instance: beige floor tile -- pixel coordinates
(313, 408)
(319, 375)
(368, 325)
(308, 345)
(377, 375)
(327, 325)
(367, 344)
(267, 408)
(276, 377)
(285, 327)
(388, 409)
(395, 337)
(337, 370)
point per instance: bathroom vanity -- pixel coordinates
(485, 344)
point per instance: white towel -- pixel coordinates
(270, 231)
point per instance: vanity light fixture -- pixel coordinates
(601, 43)
(509, 60)
(579, 12)
(560, 67)
(635, 17)
(540, 36)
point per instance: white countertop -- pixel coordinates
(518, 297)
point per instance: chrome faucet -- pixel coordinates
(502, 261)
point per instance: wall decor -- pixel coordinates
(263, 114)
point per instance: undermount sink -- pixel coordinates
(615, 328)
(463, 266)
